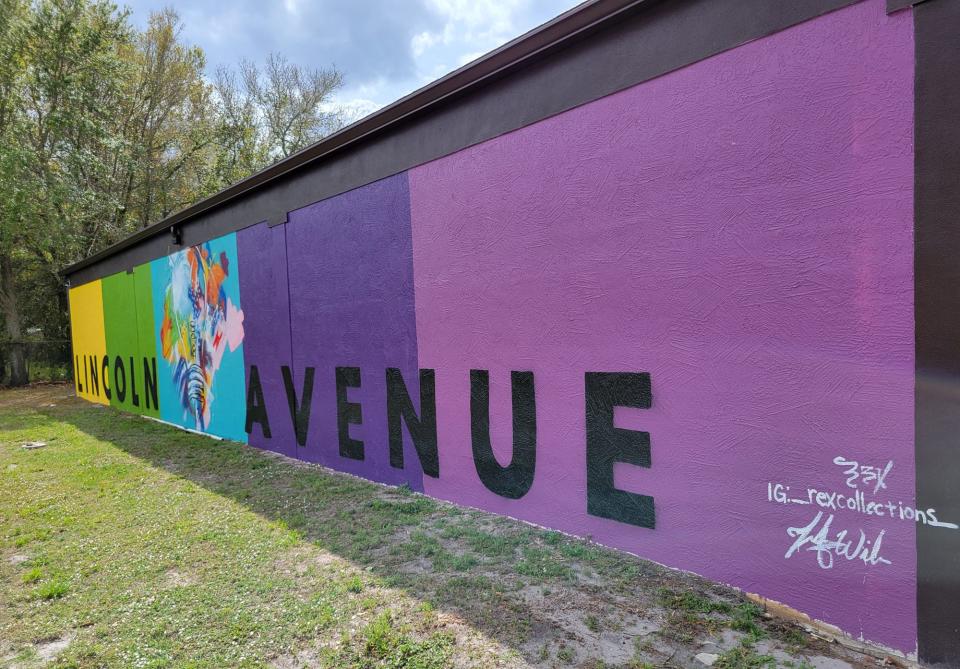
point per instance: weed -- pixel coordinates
(33, 575)
(642, 645)
(484, 543)
(685, 626)
(52, 590)
(419, 506)
(793, 636)
(690, 601)
(467, 588)
(492, 545)
(578, 550)
(552, 538)
(592, 624)
(745, 619)
(744, 657)
(385, 642)
(379, 635)
(543, 564)
(355, 584)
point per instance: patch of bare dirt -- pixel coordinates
(175, 578)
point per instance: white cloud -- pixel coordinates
(470, 26)
(423, 41)
(479, 20)
(385, 48)
(467, 57)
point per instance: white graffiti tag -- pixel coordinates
(828, 544)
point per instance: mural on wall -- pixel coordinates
(677, 320)
(200, 323)
(196, 305)
(89, 340)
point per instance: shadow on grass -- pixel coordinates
(550, 598)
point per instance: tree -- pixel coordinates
(13, 71)
(272, 112)
(105, 129)
(166, 124)
(62, 74)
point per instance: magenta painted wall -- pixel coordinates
(740, 229)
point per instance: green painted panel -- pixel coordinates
(125, 367)
(147, 339)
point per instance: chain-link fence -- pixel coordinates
(46, 360)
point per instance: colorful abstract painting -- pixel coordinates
(200, 336)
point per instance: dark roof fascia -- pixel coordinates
(897, 5)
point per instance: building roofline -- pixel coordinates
(565, 28)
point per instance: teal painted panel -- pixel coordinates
(199, 338)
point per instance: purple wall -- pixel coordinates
(351, 301)
(740, 229)
(262, 252)
(738, 233)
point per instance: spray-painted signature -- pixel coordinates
(820, 541)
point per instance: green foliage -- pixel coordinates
(33, 575)
(52, 590)
(690, 601)
(543, 564)
(105, 129)
(385, 642)
(744, 657)
(746, 617)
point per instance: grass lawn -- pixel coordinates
(127, 543)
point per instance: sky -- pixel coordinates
(385, 48)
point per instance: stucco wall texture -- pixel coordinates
(733, 238)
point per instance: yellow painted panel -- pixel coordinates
(89, 341)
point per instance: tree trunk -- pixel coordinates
(11, 317)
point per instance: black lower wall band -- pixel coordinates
(937, 300)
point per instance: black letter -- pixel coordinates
(515, 480)
(607, 444)
(423, 431)
(105, 373)
(300, 415)
(76, 372)
(133, 384)
(348, 413)
(256, 407)
(94, 378)
(119, 374)
(150, 381)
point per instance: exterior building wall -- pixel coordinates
(678, 320)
